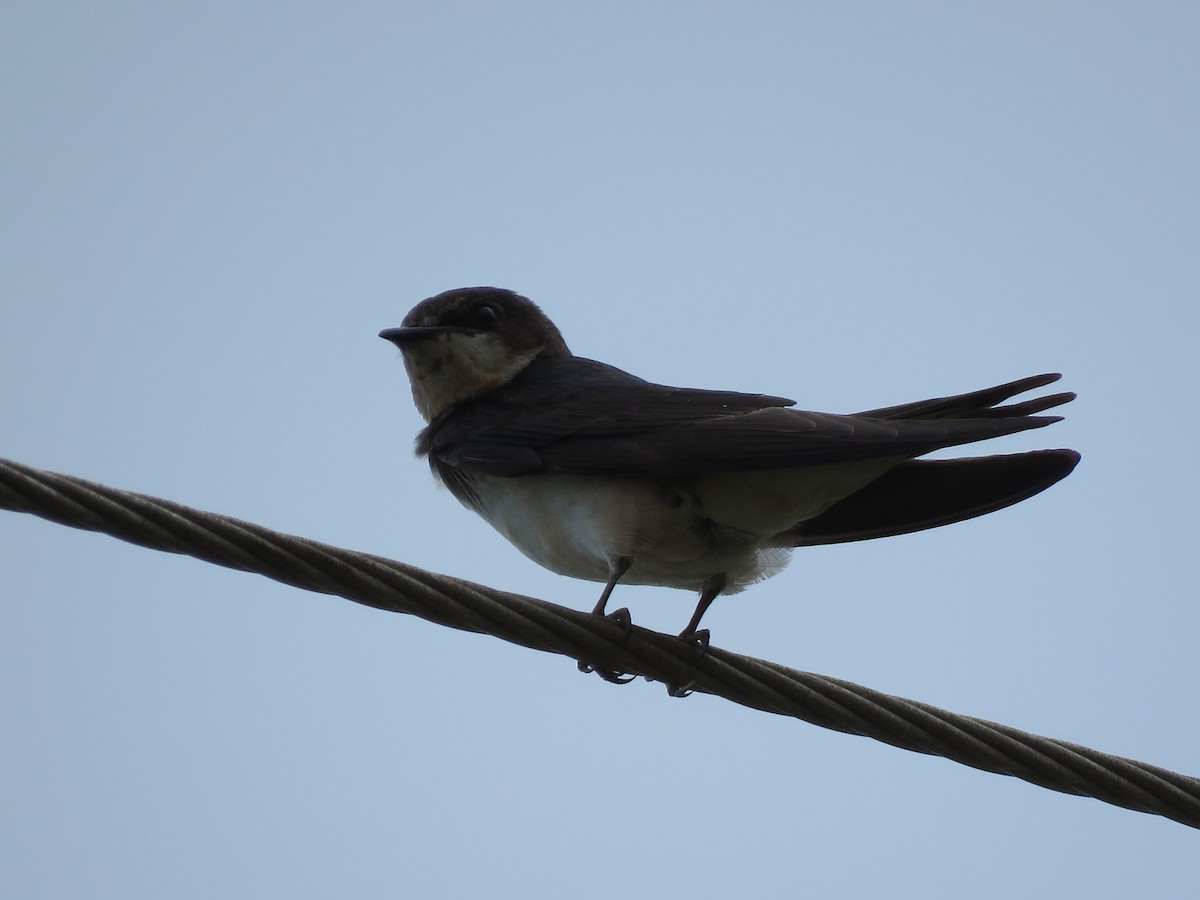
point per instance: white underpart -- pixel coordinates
(675, 534)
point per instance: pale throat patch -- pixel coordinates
(452, 368)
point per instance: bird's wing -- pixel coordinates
(925, 493)
(576, 416)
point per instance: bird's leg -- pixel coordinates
(617, 568)
(709, 591)
(620, 565)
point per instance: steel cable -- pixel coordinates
(396, 587)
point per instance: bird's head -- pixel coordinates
(463, 343)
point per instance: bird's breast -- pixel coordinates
(578, 525)
(675, 532)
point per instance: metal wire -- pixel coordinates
(396, 587)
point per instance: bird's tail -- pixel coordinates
(980, 404)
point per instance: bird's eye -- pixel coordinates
(485, 316)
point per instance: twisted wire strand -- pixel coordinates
(393, 586)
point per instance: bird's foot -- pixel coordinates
(622, 619)
(610, 675)
(698, 640)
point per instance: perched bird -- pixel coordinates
(597, 474)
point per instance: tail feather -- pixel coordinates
(981, 404)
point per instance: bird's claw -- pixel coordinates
(622, 619)
(609, 675)
(699, 641)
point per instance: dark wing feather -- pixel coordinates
(923, 493)
(572, 415)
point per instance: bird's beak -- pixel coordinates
(404, 335)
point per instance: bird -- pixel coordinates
(597, 474)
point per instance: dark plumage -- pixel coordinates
(599, 474)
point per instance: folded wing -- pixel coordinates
(576, 416)
(921, 494)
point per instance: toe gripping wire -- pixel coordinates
(604, 643)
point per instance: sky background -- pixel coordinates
(210, 210)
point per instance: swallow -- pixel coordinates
(597, 474)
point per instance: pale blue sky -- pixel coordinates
(209, 213)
